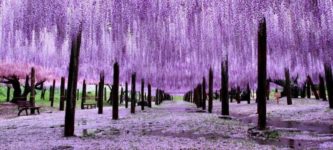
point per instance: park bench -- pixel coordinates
(25, 106)
(89, 106)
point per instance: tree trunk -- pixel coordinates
(238, 94)
(149, 95)
(62, 94)
(52, 93)
(84, 94)
(313, 88)
(8, 93)
(100, 94)
(262, 78)
(224, 85)
(32, 94)
(204, 96)
(303, 92)
(210, 91)
(308, 89)
(133, 93)
(248, 92)
(72, 85)
(115, 92)
(121, 95)
(142, 94)
(287, 86)
(105, 94)
(42, 95)
(322, 91)
(96, 92)
(156, 97)
(126, 95)
(329, 84)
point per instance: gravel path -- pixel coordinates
(173, 125)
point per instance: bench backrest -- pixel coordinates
(23, 103)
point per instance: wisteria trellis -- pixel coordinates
(170, 43)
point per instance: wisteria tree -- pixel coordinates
(18, 94)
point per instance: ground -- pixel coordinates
(307, 124)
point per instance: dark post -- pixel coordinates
(121, 95)
(329, 83)
(77, 94)
(210, 96)
(156, 97)
(8, 93)
(303, 91)
(313, 88)
(204, 95)
(84, 94)
(71, 86)
(322, 91)
(100, 94)
(142, 94)
(52, 89)
(224, 85)
(308, 89)
(32, 94)
(149, 95)
(105, 94)
(199, 96)
(248, 92)
(287, 86)
(62, 94)
(238, 94)
(96, 92)
(42, 95)
(262, 78)
(115, 92)
(133, 93)
(126, 95)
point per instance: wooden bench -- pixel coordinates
(89, 106)
(25, 106)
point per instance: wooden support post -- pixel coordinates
(133, 93)
(62, 94)
(308, 89)
(52, 89)
(248, 92)
(329, 83)
(100, 94)
(32, 94)
(84, 94)
(238, 94)
(287, 86)
(77, 95)
(72, 86)
(142, 94)
(224, 85)
(126, 95)
(204, 95)
(313, 88)
(322, 90)
(303, 91)
(96, 92)
(105, 97)
(8, 93)
(121, 95)
(210, 91)
(156, 97)
(115, 92)
(42, 95)
(149, 95)
(262, 75)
